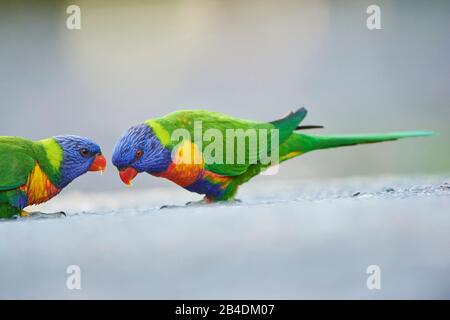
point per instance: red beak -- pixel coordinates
(127, 175)
(99, 164)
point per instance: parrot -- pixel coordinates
(150, 147)
(33, 172)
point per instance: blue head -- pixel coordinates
(139, 150)
(80, 155)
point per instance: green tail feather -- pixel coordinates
(301, 143)
(310, 142)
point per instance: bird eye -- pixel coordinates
(85, 152)
(138, 154)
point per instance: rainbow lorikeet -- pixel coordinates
(34, 172)
(150, 147)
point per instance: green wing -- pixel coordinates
(15, 163)
(185, 119)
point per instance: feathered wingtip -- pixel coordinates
(300, 111)
(292, 119)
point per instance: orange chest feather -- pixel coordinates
(187, 165)
(38, 187)
(183, 175)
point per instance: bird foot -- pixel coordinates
(42, 215)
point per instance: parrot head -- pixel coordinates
(80, 155)
(140, 150)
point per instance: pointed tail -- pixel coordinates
(299, 143)
(312, 142)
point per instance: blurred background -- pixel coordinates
(254, 59)
(306, 235)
